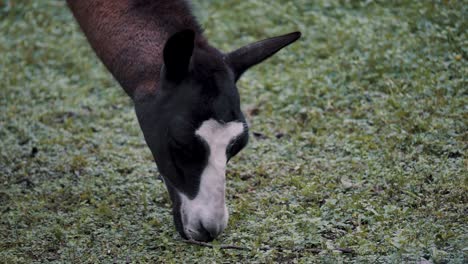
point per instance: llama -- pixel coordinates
(185, 97)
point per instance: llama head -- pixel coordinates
(194, 124)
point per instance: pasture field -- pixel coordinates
(358, 148)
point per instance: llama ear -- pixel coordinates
(177, 53)
(250, 55)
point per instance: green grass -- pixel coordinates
(371, 104)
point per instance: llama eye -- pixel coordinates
(183, 152)
(236, 145)
(177, 143)
(188, 152)
(184, 149)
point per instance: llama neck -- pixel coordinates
(129, 36)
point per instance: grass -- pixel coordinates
(360, 139)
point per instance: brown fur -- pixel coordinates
(129, 36)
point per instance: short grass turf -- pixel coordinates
(359, 139)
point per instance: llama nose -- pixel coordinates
(205, 234)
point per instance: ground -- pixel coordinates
(357, 151)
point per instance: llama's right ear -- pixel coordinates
(250, 55)
(177, 53)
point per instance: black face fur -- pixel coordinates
(198, 83)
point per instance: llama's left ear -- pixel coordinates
(242, 59)
(177, 53)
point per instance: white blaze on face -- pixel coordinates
(208, 209)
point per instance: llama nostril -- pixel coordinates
(200, 234)
(206, 235)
